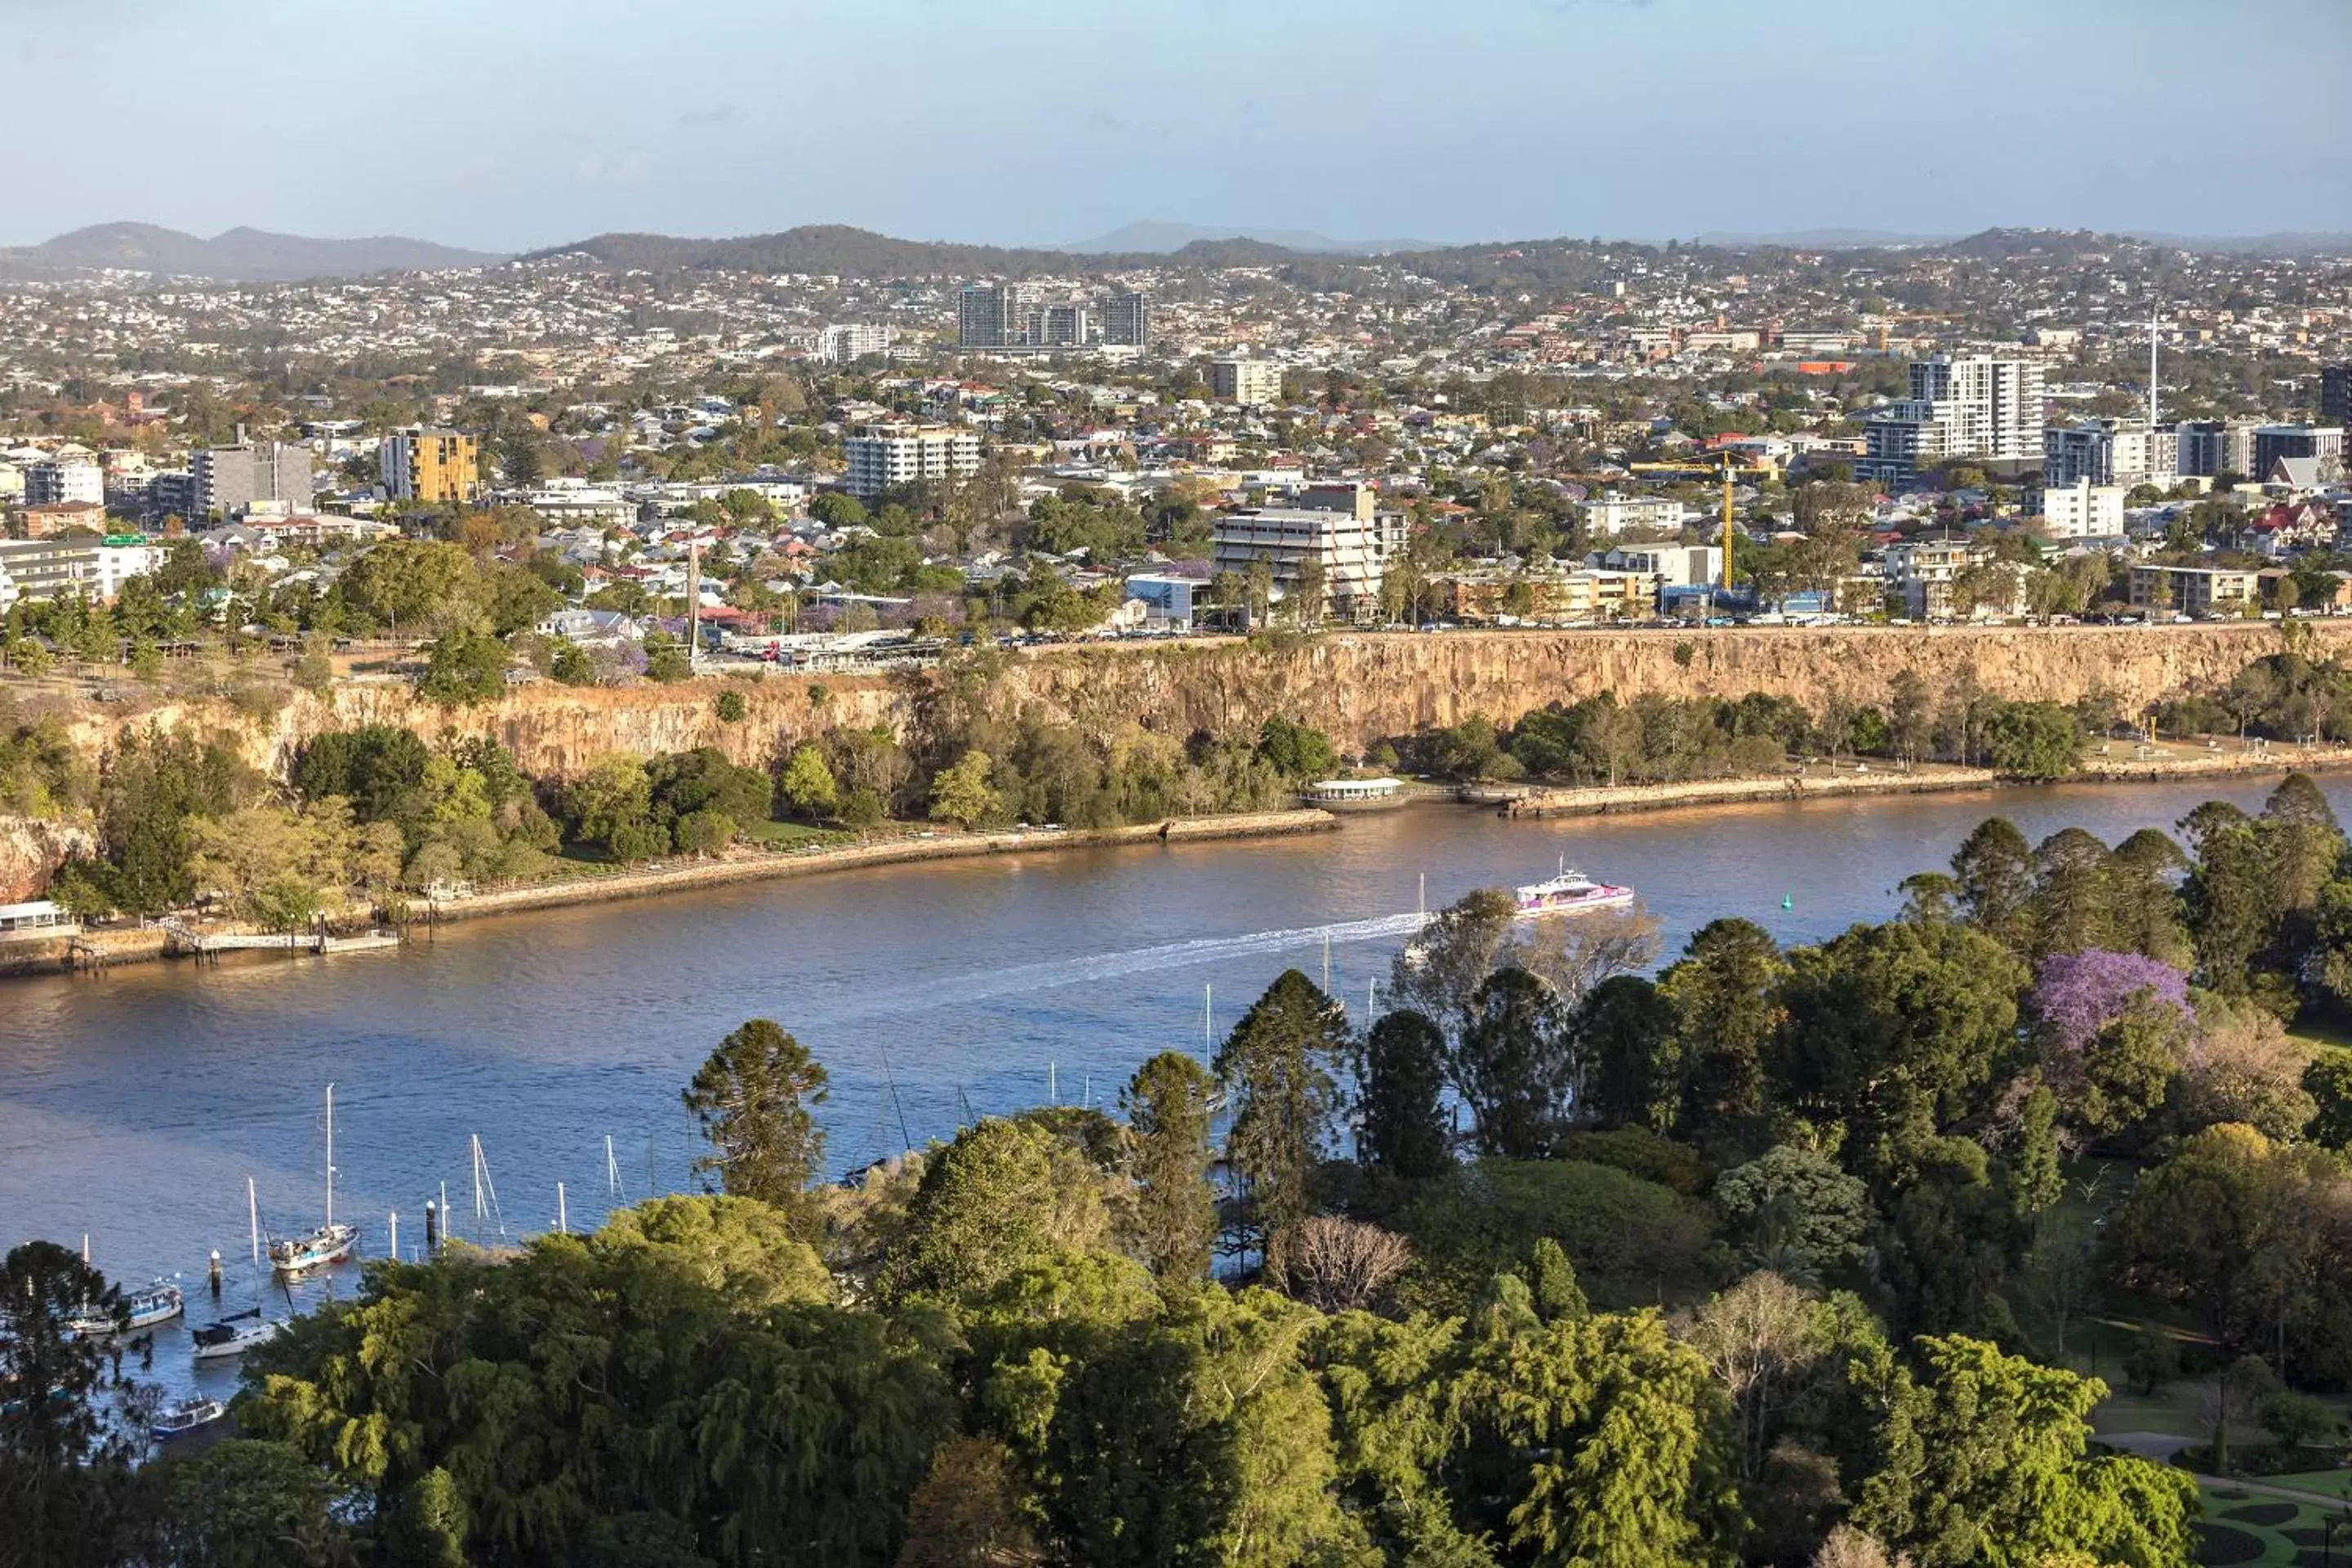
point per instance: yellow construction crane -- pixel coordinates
(1724, 465)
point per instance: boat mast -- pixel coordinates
(253, 1218)
(331, 1156)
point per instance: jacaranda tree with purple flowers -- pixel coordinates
(2112, 1028)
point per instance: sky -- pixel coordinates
(513, 124)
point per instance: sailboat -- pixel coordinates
(188, 1416)
(330, 1242)
(232, 1335)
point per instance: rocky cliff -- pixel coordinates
(31, 849)
(1361, 688)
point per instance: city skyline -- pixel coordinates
(1055, 123)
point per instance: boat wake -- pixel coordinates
(1097, 967)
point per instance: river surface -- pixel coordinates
(134, 1107)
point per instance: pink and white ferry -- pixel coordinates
(1571, 892)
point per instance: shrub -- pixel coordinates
(730, 706)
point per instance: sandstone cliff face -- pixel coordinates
(1361, 688)
(31, 850)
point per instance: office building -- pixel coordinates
(2082, 511)
(1673, 565)
(229, 480)
(1979, 407)
(1246, 380)
(437, 467)
(2336, 395)
(1351, 551)
(64, 480)
(883, 458)
(59, 517)
(1127, 321)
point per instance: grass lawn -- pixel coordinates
(789, 834)
(2317, 1028)
(2262, 1532)
(2327, 1483)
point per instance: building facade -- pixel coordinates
(1127, 321)
(883, 458)
(64, 480)
(2082, 511)
(2193, 590)
(1255, 382)
(2107, 452)
(1613, 515)
(2336, 395)
(227, 480)
(2271, 442)
(437, 467)
(1350, 552)
(56, 569)
(1978, 406)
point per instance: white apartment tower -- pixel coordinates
(883, 458)
(1974, 407)
(1246, 380)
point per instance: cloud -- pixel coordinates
(717, 114)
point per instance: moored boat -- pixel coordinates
(188, 1416)
(300, 1254)
(145, 1307)
(233, 1335)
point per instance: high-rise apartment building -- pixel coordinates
(229, 479)
(1127, 321)
(62, 480)
(2082, 511)
(2336, 395)
(2271, 442)
(883, 458)
(2108, 452)
(1246, 381)
(437, 467)
(990, 316)
(2200, 447)
(850, 340)
(1976, 406)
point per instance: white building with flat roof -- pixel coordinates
(1613, 515)
(1256, 381)
(1352, 550)
(883, 458)
(1974, 407)
(2082, 511)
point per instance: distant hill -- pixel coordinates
(835, 250)
(1152, 238)
(241, 255)
(1824, 239)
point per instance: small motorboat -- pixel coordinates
(233, 1335)
(145, 1306)
(187, 1416)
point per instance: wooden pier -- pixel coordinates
(202, 945)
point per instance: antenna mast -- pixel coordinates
(2151, 370)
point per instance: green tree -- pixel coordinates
(1623, 1034)
(1723, 992)
(1276, 1066)
(1002, 1197)
(2072, 896)
(1513, 1067)
(1167, 1106)
(464, 667)
(963, 794)
(807, 784)
(753, 1100)
(60, 1466)
(1983, 1458)
(1795, 1212)
(1995, 872)
(247, 1504)
(1403, 1129)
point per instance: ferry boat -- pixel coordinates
(1571, 892)
(188, 1416)
(233, 1335)
(148, 1306)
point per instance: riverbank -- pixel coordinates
(2166, 763)
(101, 949)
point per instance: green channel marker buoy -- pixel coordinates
(1788, 900)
